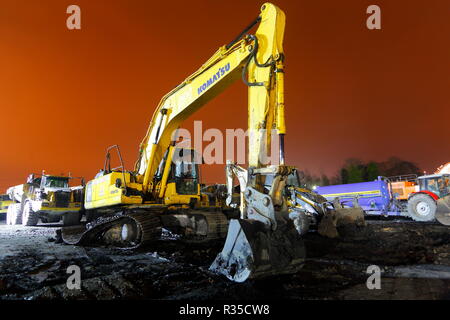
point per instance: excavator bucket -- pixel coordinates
(443, 210)
(339, 217)
(252, 251)
(331, 215)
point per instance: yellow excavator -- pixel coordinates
(130, 208)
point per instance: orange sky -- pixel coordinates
(350, 92)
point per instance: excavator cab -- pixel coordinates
(185, 176)
(184, 171)
(177, 177)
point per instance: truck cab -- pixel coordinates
(45, 197)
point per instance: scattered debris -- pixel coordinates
(411, 257)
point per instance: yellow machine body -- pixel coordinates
(265, 105)
(102, 191)
(118, 188)
(261, 239)
(5, 201)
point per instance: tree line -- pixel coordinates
(355, 170)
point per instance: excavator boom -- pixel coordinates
(231, 62)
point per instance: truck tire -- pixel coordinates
(422, 207)
(29, 217)
(14, 214)
(71, 218)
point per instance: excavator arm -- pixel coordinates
(258, 57)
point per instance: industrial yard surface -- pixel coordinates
(414, 260)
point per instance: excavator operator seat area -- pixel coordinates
(182, 173)
(185, 176)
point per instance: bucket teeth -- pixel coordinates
(252, 251)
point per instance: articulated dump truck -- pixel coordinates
(45, 197)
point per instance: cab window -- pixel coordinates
(185, 176)
(52, 182)
(439, 186)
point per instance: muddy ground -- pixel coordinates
(414, 260)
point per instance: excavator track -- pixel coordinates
(217, 228)
(143, 227)
(196, 226)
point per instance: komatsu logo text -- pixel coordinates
(220, 72)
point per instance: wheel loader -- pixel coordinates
(45, 197)
(129, 208)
